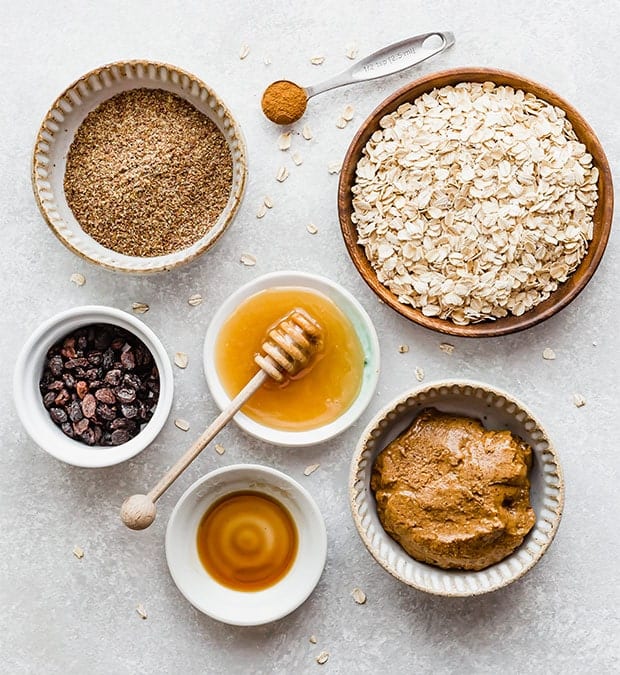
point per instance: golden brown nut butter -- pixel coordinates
(453, 494)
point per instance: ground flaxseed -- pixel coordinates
(147, 173)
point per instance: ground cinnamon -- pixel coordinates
(284, 102)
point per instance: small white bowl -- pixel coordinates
(67, 114)
(496, 410)
(29, 403)
(240, 608)
(352, 309)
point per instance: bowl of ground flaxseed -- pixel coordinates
(476, 202)
(139, 167)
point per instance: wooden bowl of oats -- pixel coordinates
(475, 202)
(139, 167)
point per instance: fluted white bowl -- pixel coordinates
(497, 410)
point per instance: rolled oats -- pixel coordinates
(474, 201)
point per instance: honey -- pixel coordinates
(247, 541)
(314, 397)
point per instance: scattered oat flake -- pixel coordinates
(446, 347)
(351, 50)
(140, 307)
(268, 202)
(248, 260)
(282, 174)
(341, 123)
(141, 611)
(262, 210)
(348, 113)
(284, 140)
(579, 400)
(317, 60)
(359, 596)
(312, 228)
(419, 374)
(78, 552)
(180, 359)
(322, 658)
(403, 349)
(244, 51)
(311, 469)
(183, 425)
(297, 158)
(78, 279)
(267, 61)
(194, 299)
(312, 639)
(334, 167)
(306, 132)
(548, 354)
(220, 449)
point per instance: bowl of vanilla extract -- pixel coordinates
(246, 544)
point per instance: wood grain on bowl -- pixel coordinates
(566, 292)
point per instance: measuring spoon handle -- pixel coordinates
(387, 61)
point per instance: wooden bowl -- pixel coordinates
(567, 291)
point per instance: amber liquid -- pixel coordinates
(314, 397)
(247, 541)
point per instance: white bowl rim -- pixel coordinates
(46, 434)
(360, 317)
(355, 468)
(314, 512)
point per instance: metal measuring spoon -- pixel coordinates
(285, 102)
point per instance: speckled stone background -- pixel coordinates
(63, 615)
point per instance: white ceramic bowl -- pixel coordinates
(366, 334)
(64, 118)
(496, 410)
(35, 417)
(242, 608)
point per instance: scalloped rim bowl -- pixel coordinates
(354, 311)
(240, 608)
(497, 410)
(64, 118)
(566, 292)
(29, 404)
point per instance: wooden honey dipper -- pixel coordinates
(288, 349)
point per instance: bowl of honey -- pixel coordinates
(246, 544)
(327, 396)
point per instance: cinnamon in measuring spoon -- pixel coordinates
(284, 102)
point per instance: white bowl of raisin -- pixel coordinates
(93, 386)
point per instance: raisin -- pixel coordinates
(75, 411)
(119, 436)
(89, 405)
(55, 365)
(67, 429)
(126, 394)
(81, 388)
(105, 395)
(113, 377)
(49, 399)
(58, 415)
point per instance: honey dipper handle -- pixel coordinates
(207, 436)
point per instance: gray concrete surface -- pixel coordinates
(63, 615)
